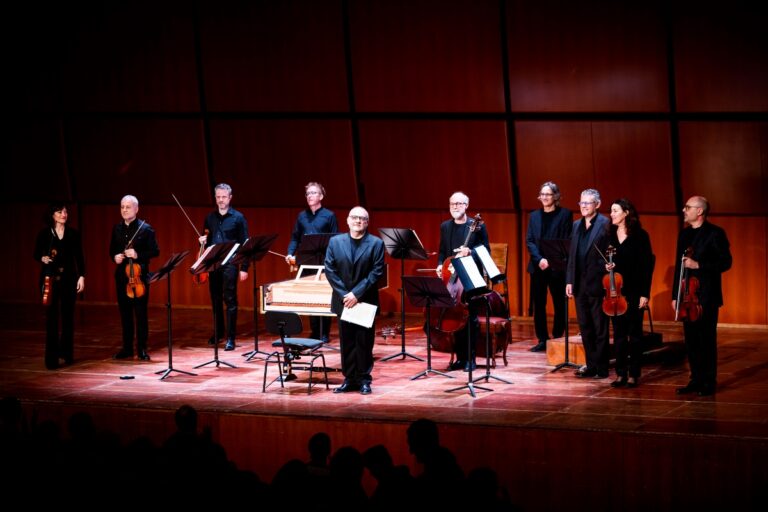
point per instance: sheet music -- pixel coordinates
(362, 314)
(231, 253)
(469, 266)
(202, 257)
(485, 258)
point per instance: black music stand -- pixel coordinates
(311, 251)
(488, 354)
(566, 361)
(425, 291)
(474, 289)
(254, 250)
(212, 259)
(402, 244)
(165, 271)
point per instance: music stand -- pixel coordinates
(488, 354)
(311, 251)
(165, 271)
(474, 288)
(213, 258)
(254, 250)
(425, 291)
(402, 244)
(566, 361)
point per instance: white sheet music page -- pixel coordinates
(361, 314)
(231, 253)
(202, 257)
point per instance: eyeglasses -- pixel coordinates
(543, 194)
(358, 217)
(586, 203)
(313, 193)
(689, 206)
(456, 205)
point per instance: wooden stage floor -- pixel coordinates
(540, 433)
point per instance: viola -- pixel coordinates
(687, 306)
(48, 279)
(202, 277)
(614, 304)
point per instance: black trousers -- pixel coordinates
(61, 308)
(627, 339)
(315, 321)
(222, 285)
(594, 332)
(356, 352)
(133, 316)
(701, 346)
(541, 281)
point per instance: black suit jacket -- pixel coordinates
(358, 275)
(559, 229)
(712, 251)
(588, 280)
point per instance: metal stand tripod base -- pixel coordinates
(254, 353)
(430, 370)
(488, 376)
(168, 371)
(215, 360)
(565, 365)
(402, 353)
(471, 387)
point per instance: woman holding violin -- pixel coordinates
(703, 254)
(60, 251)
(628, 287)
(458, 235)
(132, 245)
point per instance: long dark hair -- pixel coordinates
(53, 207)
(632, 220)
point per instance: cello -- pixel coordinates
(445, 322)
(687, 306)
(613, 302)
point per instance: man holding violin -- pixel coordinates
(704, 253)
(132, 245)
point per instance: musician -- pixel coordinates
(550, 222)
(709, 257)
(314, 219)
(354, 262)
(584, 281)
(634, 261)
(60, 250)
(225, 224)
(133, 241)
(457, 239)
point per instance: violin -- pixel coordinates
(687, 306)
(135, 286)
(48, 279)
(202, 277)
(613, 302)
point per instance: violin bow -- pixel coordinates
(187, 216)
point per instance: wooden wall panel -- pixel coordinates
(404, 165)
(432, 55)
(269, 162)
(726, 162)
(121, 58)
(33, 165)
(634, 160)
(273, 56)
(663, 231)
(720, 55)
(147, 158)
(554, 151)
(19, 275)
(587, 56)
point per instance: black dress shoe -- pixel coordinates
(123, 354)
(601, 375)
(620, 382)
(539, 347)
(706, 391)
(230, 344)
(469, 364)
(346, 387)
(457, 365)
(52, 365)
(365, 388)
(583, 374)
(633, 382)
(143, 355)
(211, 340)
(691, 387)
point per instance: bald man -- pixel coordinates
(354, 262)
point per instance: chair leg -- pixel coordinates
(279, 369)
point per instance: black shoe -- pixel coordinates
(68, 360)
(365, 388)
(470, 364)
(620, 382)
(123, 354)
(143, 355)
(230, 344)
(706, 390)
(539, 347)
(52, 365)
(211, 340)
(601, 375)
(633, 382)
(346, 387)
(457, 365)
(583, 374)
(691, 387)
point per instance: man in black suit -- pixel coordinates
(547, 268)
(706, 254)
(354, 262)
(584, 280)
